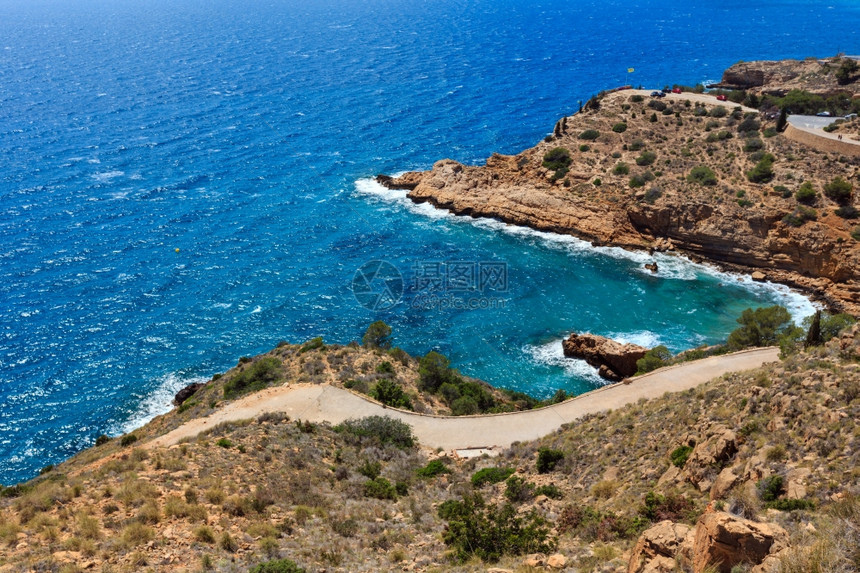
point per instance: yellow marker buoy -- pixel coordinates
(177, 250)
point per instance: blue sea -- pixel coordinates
(187, 182)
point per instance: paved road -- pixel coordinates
(815, 125)
(319, 403)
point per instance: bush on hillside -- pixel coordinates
(655, 358)
(763, 170)
(259, 375)
(703, 175)
(548, 459)
(476, 528)
(377, 335)
(839, 190)
(377, 430)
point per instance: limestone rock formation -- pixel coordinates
(717, 448)
(613, 359)
(657, 547)
(723, 540)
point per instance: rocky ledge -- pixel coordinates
(613, 359)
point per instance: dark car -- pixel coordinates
(657, 94)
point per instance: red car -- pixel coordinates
(676, 90)
(721, 97)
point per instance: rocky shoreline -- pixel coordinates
(612, 193)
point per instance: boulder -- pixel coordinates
(758, 276)
(651, 267)
(556, 561)
(656, 548)
(619, 359)
(535, 560)
(723, 541)
(186, 393)
(723, 484)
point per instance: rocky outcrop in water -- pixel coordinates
(613, 359)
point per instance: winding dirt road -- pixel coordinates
(324, 403)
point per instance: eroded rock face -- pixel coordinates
(186, 393)
(406, 181)
(656, 548)
(719, 447)
(613, 359)
(723, 540)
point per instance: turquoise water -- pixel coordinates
(245, 136)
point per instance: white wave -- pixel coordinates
(106, 176)
(644, 338)
(158, 402)
(551, 354)
(257, 309)
(669, 265)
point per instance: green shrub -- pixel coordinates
(641, 179)
(805, 193)
(770, 132)
(782, 191)
(653, 194)
(391, 394)
(753, 144)
(518, 490)
(102, 440)
(380, 488)
(718, 111)
(433, 469)
(277, 566)
(548, 459)
(658, 508)
(637, 98)
(619, 127)
(715, 136)
(832, 324)
(370, 469)
(487, 532)
(584, 147)
(763, 170)
(653, 118)
(127, 440)
(589, 134)
(550, 490)
(790, 504)
(760, 327)
(556, 158)
(621, 168)
(312, 344)
(464, 406)
(680, 455)
(800, 216)
(655, 358)
(703, 175)
(491, 475)
(259, 375)
(855, 233)
(847, 212)
(224, 443)
(839, 190)
(378, 430)
(377, 335)
(771, 488)
(749, 124)
(646, 158)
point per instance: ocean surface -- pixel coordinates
(185, 182)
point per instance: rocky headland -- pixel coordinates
(711, 179)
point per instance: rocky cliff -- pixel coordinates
(779, 77)
(631, 181)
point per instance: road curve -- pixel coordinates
(324, 403)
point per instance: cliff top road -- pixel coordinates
(324, 403)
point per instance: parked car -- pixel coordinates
(657, 94)
(823, 114)
(722, 97)
(851, 116)
(676, 90)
